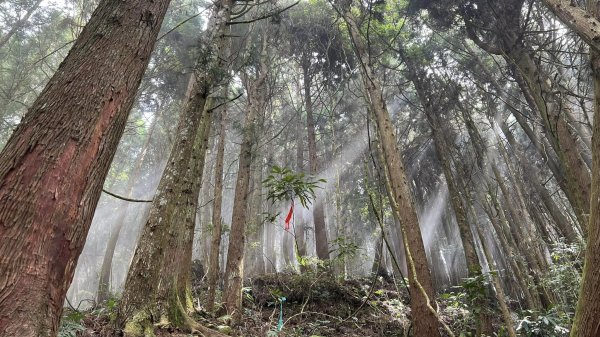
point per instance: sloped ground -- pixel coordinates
(315, 304)
(318, 305)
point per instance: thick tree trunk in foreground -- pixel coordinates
(587, 315)
(234, 272)
(578, 19)
(587, 318)
(423, 306)
(53, 167)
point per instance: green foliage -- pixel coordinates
(564, 275)
(70, 324)
(110, 307)
(565, 279)
(284, 184)
(309, 262)
(466, 303)
(345, 247)
(549, 324)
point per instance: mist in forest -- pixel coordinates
(456, 143)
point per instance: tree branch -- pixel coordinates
(268, 15)
(124, 198)
(580, 21)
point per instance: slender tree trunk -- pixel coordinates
(422, 297)
(532, 177)
(234, 272)
(318, 210)
(213, 264)
(510, 251)
(500, 297)
(544, 150)
(299, 221)
(555, 114)
(53, 166)
(443, 153)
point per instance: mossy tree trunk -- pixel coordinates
(217, 221)
(167, 234)
(587, 318)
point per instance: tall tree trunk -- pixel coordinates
(425, 320)
(540, 143)
(213, 264)
(234, 272)
(299, 221)
(318, 210)
(53, 166)
(506, 316)
(142, 296)
(532, 176)
(174, 284)
(587, 321)
(419, 80)
(139, 296)
(556, 115)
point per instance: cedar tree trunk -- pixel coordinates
(53, 166)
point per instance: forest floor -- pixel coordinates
(315, 305)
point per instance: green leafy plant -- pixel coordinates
(284, 184)
(70, 323)
(564, 276)
(549, 324)
(344, 247)
(467, 302)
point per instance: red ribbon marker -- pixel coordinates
(288, 218)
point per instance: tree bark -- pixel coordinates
(425, 319)
(142, 299)
(577, 19)
(213, 265)
(53, 166)
(234, 272)
(318, 211)
(174, 284)
(586, 322)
